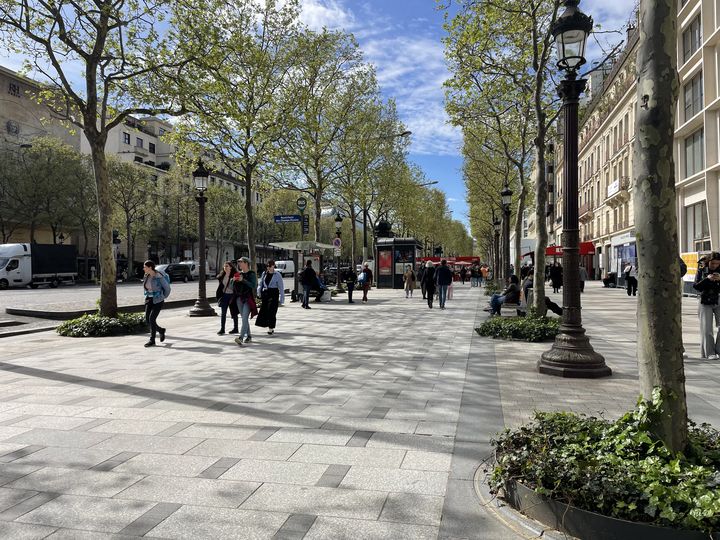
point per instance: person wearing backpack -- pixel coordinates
(156, 287)
(308, 278)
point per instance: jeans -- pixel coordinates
(496, 302)
(709, 319)
(244, 309)
(151, 314)
(632, 286)
(224, 306)
(306, 296)
(442, 292)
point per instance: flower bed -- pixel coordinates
(96, 326)
(529, 328)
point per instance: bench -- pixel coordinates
(518, 310)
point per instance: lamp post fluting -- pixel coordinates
(496, 249)
(202, 307)
(338, 233)
(571, 354)
(506, 197)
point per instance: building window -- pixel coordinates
(162, 132)
(693, 96)
(151, 147)
(126, 138)
(139, 142)
(694, 153)
(692, 39)
(697, 231)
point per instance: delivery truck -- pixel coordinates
(37, 264)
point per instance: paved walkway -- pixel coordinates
(352, 421)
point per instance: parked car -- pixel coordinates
(176, 271)
(195, 268)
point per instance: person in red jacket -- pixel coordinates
(367, 281)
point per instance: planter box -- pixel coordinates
(589, 525)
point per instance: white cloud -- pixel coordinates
(319, 14)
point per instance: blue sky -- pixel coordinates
(402, 38)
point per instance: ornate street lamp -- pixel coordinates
(506, 198)
(202, 307)
(571, 354)
(496, 262)
(338, 233)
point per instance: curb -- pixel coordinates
(21, 332)
(65, 315)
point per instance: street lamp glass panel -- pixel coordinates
(200, 177)
(506, 195)
(571, 31)
(338, 221)
(496, 225)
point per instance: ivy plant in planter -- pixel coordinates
(97, 326)
(529, 328)
(491, 287)
(616, 469)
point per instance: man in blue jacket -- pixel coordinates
(443, 279)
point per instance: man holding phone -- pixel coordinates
(707, 282)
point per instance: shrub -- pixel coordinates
(616, 468)
(97, 326)
(491, 287)
(530, 328)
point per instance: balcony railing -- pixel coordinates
(617, 192)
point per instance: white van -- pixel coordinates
(195, 268)
(286, 269)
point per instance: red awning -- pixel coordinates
(586, 248)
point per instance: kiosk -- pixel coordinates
(393, 256)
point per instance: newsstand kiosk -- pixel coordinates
(393, 257)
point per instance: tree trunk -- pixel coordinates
(249, 220)
(108, 290)
(318, 210)
(353, 232)
(540, 225)
(129, 242)
(519, 228)
(660, 348)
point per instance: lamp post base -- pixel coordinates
(202, 308)
(572, 356)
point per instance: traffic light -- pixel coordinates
(116, 236)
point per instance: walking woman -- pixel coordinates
(429, 281)
(244, 285)
(271, 291)
(156, 288)
(707, 282)
(409, 278)
(224, 295)
(367, 281)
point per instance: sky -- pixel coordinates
(402, 39)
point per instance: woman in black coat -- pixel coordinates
(429, 281)
(556, 277)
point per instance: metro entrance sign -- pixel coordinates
(292, 218)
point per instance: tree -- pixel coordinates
(225, 209)
(240, 98)
(118, 47)
(660, 349)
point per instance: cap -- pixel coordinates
(244, 259)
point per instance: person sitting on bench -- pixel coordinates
(609, 279)
(511, 295)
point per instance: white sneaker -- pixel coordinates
(713, 357)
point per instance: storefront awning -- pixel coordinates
(586, 248)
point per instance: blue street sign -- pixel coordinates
(294, 218)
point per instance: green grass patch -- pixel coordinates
(529, 328)
(97, 326)
(617, 469)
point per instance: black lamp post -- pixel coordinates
(571, 354)
(506, 197)
(202, 307)
(496, 262)
(338, 233)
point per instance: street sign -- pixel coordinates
(306, 224)
(337, 243)
(337, 252)
(301, 203)
(290, 218)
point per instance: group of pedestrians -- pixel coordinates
(435, 279)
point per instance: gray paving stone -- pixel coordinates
(312, 436)
(346, 455)
(75, 482)
(197, 491)
(18, 453)
(426, 461)
(165, 465)
(195, 415)
(120, 413)
(8, 432)
(150, 519)
(10, 497)
(446, 429)
(327, 528)
(206, 431)
(413, 508)
(52, 422)
(195, 523)
(371, 424)
(10, 472)
(27, 505)
(317, 500)
(65, 439)
(398, 480)
(24, 531)
(147, 444)
(278, 472)
(245, 449)
(74, 534)
(87, 513)
(406, 441)
(133, 427)
(360, 438)
(263, 434)
(77, 458)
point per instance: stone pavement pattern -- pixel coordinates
(352, 421)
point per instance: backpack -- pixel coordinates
(362, 277)
(167, 282)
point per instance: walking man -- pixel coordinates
(367, 281)
(630, 272)
(308, 278)
(443, 278)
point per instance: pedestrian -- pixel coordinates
(556, 277)
(224, 295)
(630, 273)
(463, 275)
(583, 278)
(707, 282)
(308, 278)
(443, 279)
(367, 281)
(429, 281)
(244, 285)
(156, 287)
(271, 291)
(484, 274)
(511, 295)
(421, 276)
(350, 280)
(409, 279)
(474, 275)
